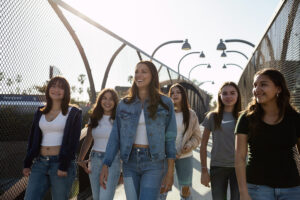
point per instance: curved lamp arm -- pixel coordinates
(194, 68)
(163, 44)
(231, 51)
(235, 65)
(194, 52)
(242, 41)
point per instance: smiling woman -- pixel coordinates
(221, 123)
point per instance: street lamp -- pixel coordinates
(201, 83)
(186, 45)
(202, 55)
(225, 66)
(221, 46)
(231, 51)
(208, 66)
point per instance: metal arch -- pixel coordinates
(79, 47)
(270, 48)
(242, 41)
(194, 68)
(139, 55)
(194, 52)
(232, 51)
(110, 64)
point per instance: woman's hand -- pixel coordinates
(205, 178)
(26, 172)
(185, 149)
(103, 176)
(84, 164)
(62, 173)
(167, 182)
(244, 196)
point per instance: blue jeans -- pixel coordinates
(112, 180)
(44, 176)
(263, 192)
(219, 177)
(184, 173)
(142, 176)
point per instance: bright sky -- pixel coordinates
(147, 24)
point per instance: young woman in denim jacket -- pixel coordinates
(270, 128)
(144, 131)
(188, 138)
(52, 144)
(99, 128)
(221, 123)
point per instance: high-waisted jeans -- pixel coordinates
(142, 176)
(44, 176)
(112, 179)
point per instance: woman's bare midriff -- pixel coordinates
(50, 150)
(140, 146)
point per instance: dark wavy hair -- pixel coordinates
(255, 110)
(185, 106)
(63, 84)
(98, 111)
(218, 112)
(154, 91)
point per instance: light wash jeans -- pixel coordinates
(184, 173)
(263, 192)
(142, 176)
(44, 176)
(112, 180)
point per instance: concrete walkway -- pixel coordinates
(199, 192)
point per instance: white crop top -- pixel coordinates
(53, 131)
(101, 133)
(141, 132)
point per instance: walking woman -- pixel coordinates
(144, 131)
(271, 128)
(52, 144)
(99, 128)
(221, 123)
(188, 138)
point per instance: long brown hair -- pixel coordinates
(255, 110)
(184, 105)
(154, 91)
(218, 113)
(98, 111)
(62, 83)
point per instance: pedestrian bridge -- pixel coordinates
(42, 39)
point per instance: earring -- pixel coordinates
(277, 95)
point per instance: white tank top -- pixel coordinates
(53, 131)
(141, 132)
(101, 133)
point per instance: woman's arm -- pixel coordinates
(195, 139)
(84, 149)
(298, 145)
(205, 179)
(241, 150)
(169, 177)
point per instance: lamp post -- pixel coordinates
(231, 51)
(225, 66)
(186, 45)
(208, 66)
(202, 55)
(201, 83)
(221, 46)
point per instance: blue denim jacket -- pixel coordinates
(161, 132)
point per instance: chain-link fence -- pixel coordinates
(280, 49)
(41, 39)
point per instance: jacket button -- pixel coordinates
(150, 134)
(153, 146)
